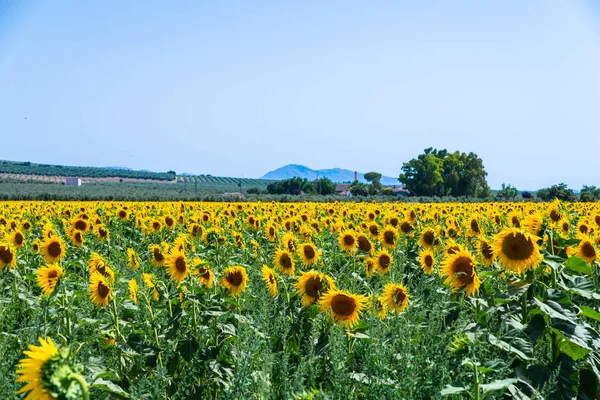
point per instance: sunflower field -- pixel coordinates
(152, 300)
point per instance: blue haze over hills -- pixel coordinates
(335, 174)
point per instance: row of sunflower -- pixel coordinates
(316, 252)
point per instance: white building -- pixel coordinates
(73, 181)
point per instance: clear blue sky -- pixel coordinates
(236, 88)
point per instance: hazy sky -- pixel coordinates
(236, 88)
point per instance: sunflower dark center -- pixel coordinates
(81, 225)
(309, 252)
(19, 238)
(5, 255)
(394, 221)
(405, 227)
(285, 261)
(486, 250)
(429, 260)
(169, 221)
(583, 228)
(235, 278)
(364, 244)
(428, 237)
(158, 255)
(374, 230)
(389, 237)
(349, 240)
(475, 226)
(313, 287)
(103, 290)
(517, 247)
(180, 264)
(463, 270)
(204, 273)
(52, 274)
(384, 260)
(343, 305)
(588, 250)
(122, 214)
(54, 249)
(399, 296)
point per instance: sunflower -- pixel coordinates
(517, 250)
(268, 275)
(395, 297)
(427, 261)
(8, 256)
(380, 307)
(17, 239)
(177, 265)
(149, 282)
(53, 249)
(345, 307)
(288, 241)
(196, 231)
(486, 251)
(388, 238)
(205, 275)
(48, 277)
(384, 261)
(80, 225)
(427, 238)
(309, 253)
(271, 232)
(564, 228)
(533, 223)
(364, 244)
(133, 288)
(156, 252)
(102, 268)
(474, 228)
(33, 369)
(370, 265)
(100, 291)
(459, 270)
(310, 286)
(122, 214)
(102, 232)
(406, 227)
(284, 261)
(76, 237)
(347, 241)
(235, 279)
(373, 230)
(133, 260)
(586, 250)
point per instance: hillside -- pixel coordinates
(335, 174)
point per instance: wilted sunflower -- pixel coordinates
(268, 275)
(395, 297)
(310, 286)
(388, 238)
(345, 307)
(53, 249)
(156, 254)
(133, 260)
(149, 282)
(347, 241)
(235, 279)
(427, 261)
(177, 265)
(100, 291)
(284, 261)
(384, 261)
(33, 369)
(459, 270)
(517, 250)
(586, 250)
(48, 277)
(309, 253)
(8, 256)
(133, 288)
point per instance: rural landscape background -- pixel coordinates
(299, 200)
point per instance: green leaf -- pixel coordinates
(567, 379)
(498, 385)
(492, 366)
(576, 264)
(588, 385)
(590, 313)
(452, 389)
(511, 347)
(556, 311)
(571, 349)
(110, 387)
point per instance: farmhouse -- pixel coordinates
(73, 181)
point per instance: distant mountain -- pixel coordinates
(335, 174)
(121, 168)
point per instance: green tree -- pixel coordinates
(559, 191)
(324, 186)
(589, 193)
(375, 179)
(507, 192)
(440, 173)
(360, 189)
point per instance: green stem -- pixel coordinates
(524, 307)
(476, 383)
(82, 384)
